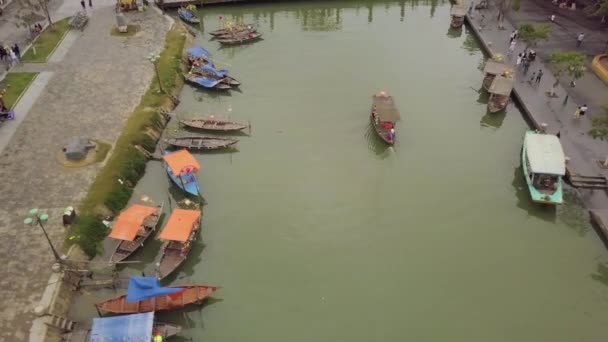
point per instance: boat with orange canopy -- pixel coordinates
(145, 294)
(182, 167)
(180, 232)
(133, 227)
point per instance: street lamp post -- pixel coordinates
(153, 57)
(38, 219)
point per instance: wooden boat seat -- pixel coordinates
(129, 246)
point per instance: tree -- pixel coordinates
(32, 11)
(571, 63)
(531, 34)
(599, 9)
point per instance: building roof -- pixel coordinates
(181, 162)
(545, 154)
(180, 225)
(129, 221)
(494, 68)
(386, 109)
(502, 85)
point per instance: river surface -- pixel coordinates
(318, 232)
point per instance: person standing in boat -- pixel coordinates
(391, 136)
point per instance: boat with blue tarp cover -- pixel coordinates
(188, 16)
(181, 168)
(209, 71)
(145, 294)
(134, 327)
(198, 52)
(206, 82)
(544, 165)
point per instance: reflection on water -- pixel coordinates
(470, 44)
(320, 15)
(493, 120)
(454, 32)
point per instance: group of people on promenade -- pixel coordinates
(10, 54)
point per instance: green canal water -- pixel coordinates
(318, 232)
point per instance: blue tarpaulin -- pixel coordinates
(185, 14)
(204, 81)
(198, 52)
(136, 327)
(141, 288)
(211, 69)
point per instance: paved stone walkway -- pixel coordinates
(580, 148)
(91, 92)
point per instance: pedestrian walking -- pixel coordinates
(552, 18)
(581, 111)
(539, 76)
(83, 5)
(518, 61)
(579, 39)
(91, 3)
(511, 48)
(3, 53)
(14, 59)
(533, 77)
(526, 66)
(17, 51)
(512, 36)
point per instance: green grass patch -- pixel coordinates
(101, 151)
(47, 42)
(131, 31)
(126, 163)
(16, 83)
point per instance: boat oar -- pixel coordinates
(249, 122)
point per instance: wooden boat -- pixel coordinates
(180, 232)
(458, 13)
(123, 328)
(241, 38)
(201, 143)
(229, 80)
(213, 124)
(544, 165)
(490, 70)
(206, 82)
(133, 227)
(181, 168)
(188, 16)
(384, 115)
(191, 294)
(232, 30)
(500, 92)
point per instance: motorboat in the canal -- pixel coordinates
(180, 232)
(201, 143)
(188, 16)
(133, 227)
(492, 68)
(206, 82)
(240, 38)
(233, 29)
(384, 116)
(216, 125)
(544, 165)
(144, 294)
(458, 13)
(500, 92)
(181, 168)
(134, 327)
